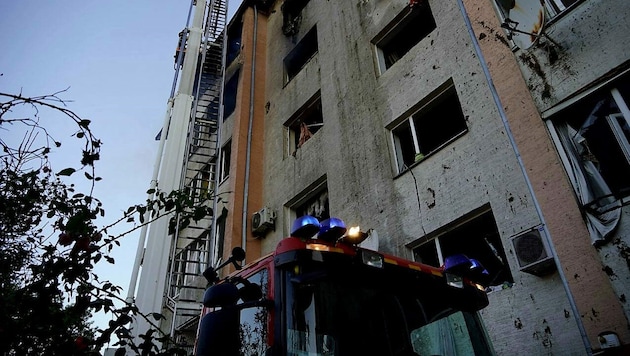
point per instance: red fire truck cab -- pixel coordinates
(319, 293)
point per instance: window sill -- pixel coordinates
(504, 286)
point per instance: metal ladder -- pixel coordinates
(192, 245)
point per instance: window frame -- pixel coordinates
(225, 161)
(553, 10)
(296, 206)
(492, 238)
(556, 7)
(427, 109)
(622, 141)
(312, 114)
(397, 32)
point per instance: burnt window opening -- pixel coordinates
(292, 16)
(301, 54)
(417, 23)
(316, 205)
(437, 123)
(479, 239)
(229, 95)
(307, 121)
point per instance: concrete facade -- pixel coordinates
(505, 165)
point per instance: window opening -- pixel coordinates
(307, 121)
(226, 151)
(292, 16)
(316, 205)
(229, 95)
(235, 35)
(301, 54)
(433, 126)
(219, 235)
(479, 239)
(417, 23)
(595, 137)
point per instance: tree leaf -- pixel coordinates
(66, 172)
(156, 316)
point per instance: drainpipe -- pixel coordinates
(497, 101)
(249, 136)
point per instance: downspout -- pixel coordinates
(249, 136)
(497, 101)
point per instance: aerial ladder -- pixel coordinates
(187, 161)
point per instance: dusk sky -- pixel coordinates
(116, 60)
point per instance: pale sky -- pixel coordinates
(117, 60)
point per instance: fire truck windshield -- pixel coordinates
(363, 310)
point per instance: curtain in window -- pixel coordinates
(601, 208)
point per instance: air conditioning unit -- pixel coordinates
(532, 252)
(263, 221)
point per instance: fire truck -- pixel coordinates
(319, 293)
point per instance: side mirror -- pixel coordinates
(238, 255)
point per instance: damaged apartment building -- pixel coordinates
(494, 128)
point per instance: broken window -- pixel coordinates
(594, 135)
(412, 25)
(477, 238)
(301, 54)
(226, 151)
(304, 123)
(437, 122)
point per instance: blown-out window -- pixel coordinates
(407, 30)
(477, 238)
(594, 140)
(438, 121)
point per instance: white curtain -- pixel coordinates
(602, 209)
